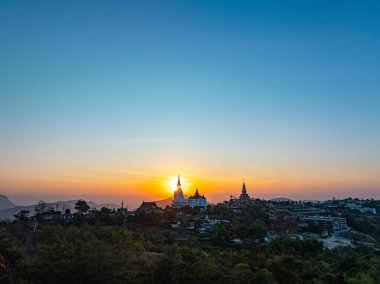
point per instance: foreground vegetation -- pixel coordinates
(89, 254)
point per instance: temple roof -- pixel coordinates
(197, 195)
(148, 206)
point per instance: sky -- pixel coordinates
(110, 100)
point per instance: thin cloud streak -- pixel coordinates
(151, 140)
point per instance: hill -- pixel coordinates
(5, 203)
(8, 212)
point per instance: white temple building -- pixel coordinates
(179, 200)
(195, 200)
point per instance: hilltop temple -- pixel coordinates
(244, 200)
(195, 200)
(179, 200)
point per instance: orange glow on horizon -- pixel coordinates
(156, 184)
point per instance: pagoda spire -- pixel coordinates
(179, 182)
(196, 191)
(244, 190)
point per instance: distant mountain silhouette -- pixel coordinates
(8, 209)
(5, 203)
(70, 204)
(8, 213)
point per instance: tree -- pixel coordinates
(257, 229)
(242, 274)
(220, 235)
(81, 206)
(263, 276)
(41, 207)
(197, 224)
(104, 216)
(22, 216)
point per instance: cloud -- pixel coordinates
(125, 141)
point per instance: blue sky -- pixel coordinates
(250, 89)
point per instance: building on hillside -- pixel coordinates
(329, 223)
(357, 205)
(179, 200)
(244, 196)
(68, 217)
(197, 200)
(368, 210)
(149, 207)
(235, 204)
(51, 216)
(122, 210)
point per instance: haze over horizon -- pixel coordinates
(109, 100)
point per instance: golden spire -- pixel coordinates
(179, 182)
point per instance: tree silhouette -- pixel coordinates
(22, 216)
(41, 207)
(81, 206)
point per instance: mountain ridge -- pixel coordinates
(8, 212)
(5, 203)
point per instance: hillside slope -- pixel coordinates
(5, 203)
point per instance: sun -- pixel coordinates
(173, 183)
